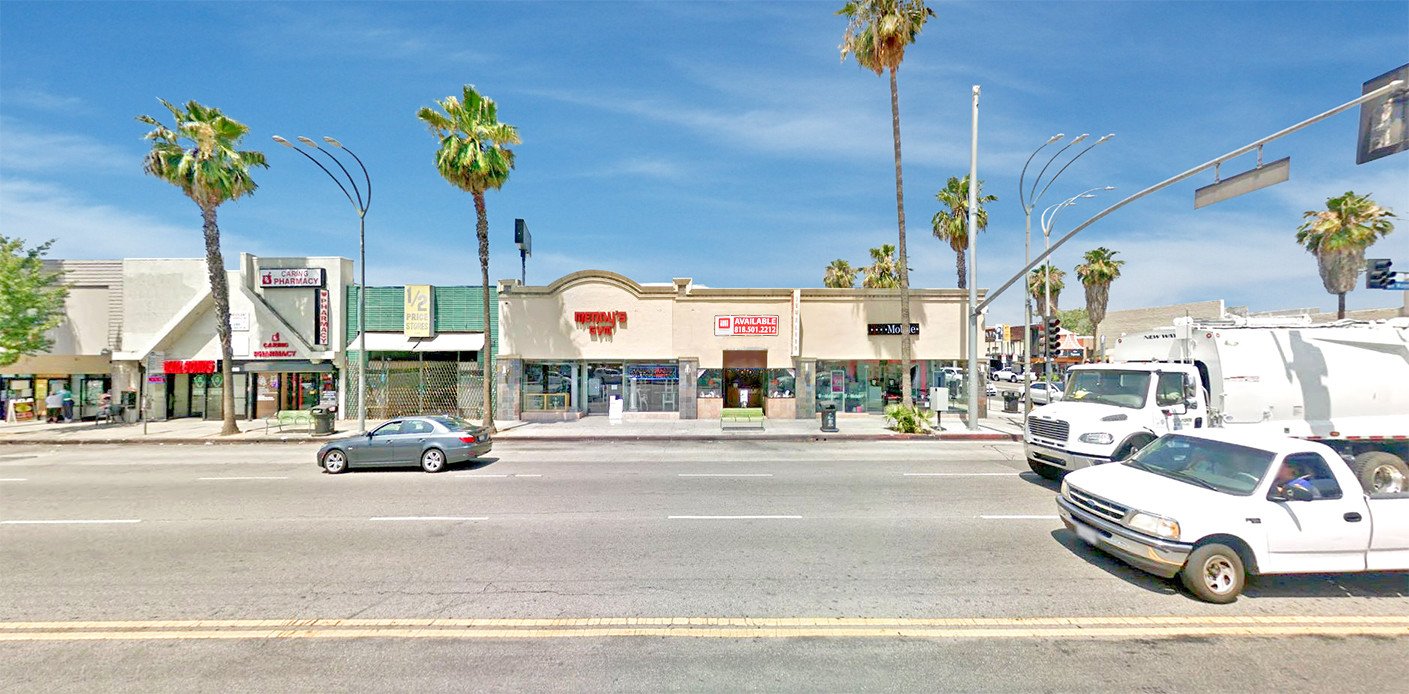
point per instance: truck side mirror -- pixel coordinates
(1297, 490)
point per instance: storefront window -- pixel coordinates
(710, 383)
(782, 383)
(547, 385)
(653, 387)
(868, 386)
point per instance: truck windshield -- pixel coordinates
(1119, 388)
(1216, 465)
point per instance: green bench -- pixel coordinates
(289, 418)
(741, 418)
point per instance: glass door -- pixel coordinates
(604, 381)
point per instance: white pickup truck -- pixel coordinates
(1213, 506)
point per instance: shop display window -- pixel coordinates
(782, 383)
(653, 387)
(710, 383)
(548, 385)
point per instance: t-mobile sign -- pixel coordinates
(745, 325)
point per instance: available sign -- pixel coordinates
(291, 277)
(734, 326)
(275, 348)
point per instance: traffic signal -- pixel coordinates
(1054, 334)
(1377, 274)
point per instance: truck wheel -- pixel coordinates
(1381, 472)
(1214, 573)
(1045, 470)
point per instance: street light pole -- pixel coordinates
(1047, 223)
(1028, 197)
(360, 204)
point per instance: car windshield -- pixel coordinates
(1216, 465)
(1118, 388)
(453, 423)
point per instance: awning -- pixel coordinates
(444, 342)
(1070, 341)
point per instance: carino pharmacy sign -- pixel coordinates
(290, 277)
(745, 325)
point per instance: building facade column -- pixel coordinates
(805, 387)
(508, 387)
(689, 379)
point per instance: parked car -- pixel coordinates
(1037, 392)
(1004, 375)
(433, 442)
(1213, 506)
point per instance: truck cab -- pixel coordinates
(1110, 411)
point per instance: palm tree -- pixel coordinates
(840, 275)
(951, 222)
(1040, 275)
(1100, 269)
(877, 34)
(200, 155)
(473, 157)
(880, 274)
(1338, 237)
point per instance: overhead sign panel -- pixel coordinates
(290, 277)
(1245, 182)
(1384, 127)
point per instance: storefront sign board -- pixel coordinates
(734, 326)
(275, 347)
(418, 311)
(199, 366)
(239, 322)
(599, 323)
(279, 277)
(324, 308)
(797, 322)
(890, 328)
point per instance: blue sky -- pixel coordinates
(722, 141)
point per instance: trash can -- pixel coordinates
(829, 418)
(1010, 401)
(322, 421)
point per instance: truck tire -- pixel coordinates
(1381, 472)
(1044, 470)
(1214, 573)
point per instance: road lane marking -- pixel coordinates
(962, 474)
(725, 474)
(66, 521)
(13, 479)
(429, 518)
(1018, 517)
(732, 517)
(205, 479)
(506, 475)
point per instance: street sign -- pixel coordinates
(1246, 182)
(1384, 127)
(1398, 281)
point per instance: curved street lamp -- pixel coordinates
(1047, 224)
(1028, 197)
(360, 203)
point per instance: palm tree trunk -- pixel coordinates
(486, 361)
(220, 293)
(905, 396)
(1340, 309)
(962, 265)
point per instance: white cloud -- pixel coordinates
(30, 151)
(83, 229)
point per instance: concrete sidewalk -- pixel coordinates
(1000, 427)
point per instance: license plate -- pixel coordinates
(1087, 534)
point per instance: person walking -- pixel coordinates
(53, 406)
(67, 403)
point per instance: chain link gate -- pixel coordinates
(401, 388)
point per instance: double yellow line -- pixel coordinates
(712, 627)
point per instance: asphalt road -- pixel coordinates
(859, 566)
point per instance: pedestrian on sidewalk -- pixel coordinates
(67, 400)
(53, 406)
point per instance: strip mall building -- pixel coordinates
(681, 350)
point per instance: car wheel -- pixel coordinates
(1381, 472)
(1214, 573)
(335, 462)
(433, 460)
(1045, 471)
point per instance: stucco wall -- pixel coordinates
(153, 291)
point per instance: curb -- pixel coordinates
(796, 438)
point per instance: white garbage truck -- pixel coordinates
(1344, 384)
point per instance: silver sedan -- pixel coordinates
(433, 442)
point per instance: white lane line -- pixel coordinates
(429, 518)
(725, 474)
(13, 479)
(59, 522)
(1018, 517)
(205, 479)
(732, 517)
(478, 475)
(962, 474)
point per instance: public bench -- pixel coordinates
(741, 418)
(289, 418)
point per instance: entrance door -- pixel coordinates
(745, 375)
(603, 382)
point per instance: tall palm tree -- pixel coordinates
(200, 154)
(1040, 275)
(877, 34)
(840, 275)
(951, 222)
(1338, 237)
(1100, 269)
(473, 157)
(881, 274)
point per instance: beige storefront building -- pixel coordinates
(683, 350)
